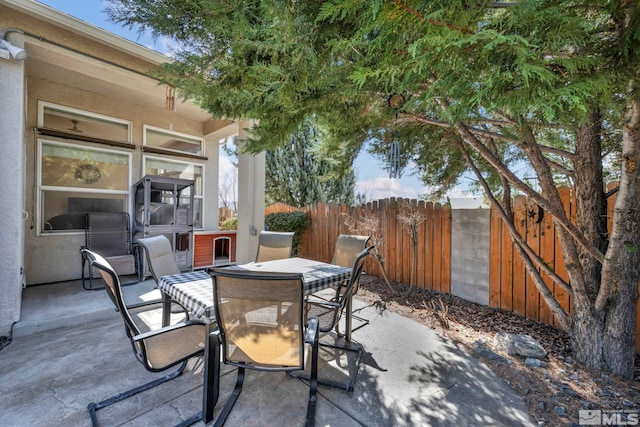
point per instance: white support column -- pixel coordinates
(251, 170)
(12, 165)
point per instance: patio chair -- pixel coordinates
(347, 250)
(109, 234)
(160, 256)
(157, 349)
(274, 245)
(329, 314)
(260, 321)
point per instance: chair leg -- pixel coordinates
(94, 407)
(313, 385)
(211, 375)
(363, 322)
(232, 400)
(190, 421)
(353, 372)
(90, 273)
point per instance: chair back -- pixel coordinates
(260, 318)
(108, 233)
(160, 256)
(114, 291)
(348, 248)
(274, 245)
(329, 316)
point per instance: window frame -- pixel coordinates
(88, 114)
(40, 189)
(170, 151)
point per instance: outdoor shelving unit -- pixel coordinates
(164, 205)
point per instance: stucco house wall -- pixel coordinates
(76, 65)
(11, 191)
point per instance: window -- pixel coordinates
(74, 179)
(83, 124)
(173, 141)
(184, 170)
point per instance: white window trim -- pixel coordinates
(43, 104)
(195, 196)
(40, 188)
(178, 134)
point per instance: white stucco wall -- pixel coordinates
(12, 165)
(251, 170)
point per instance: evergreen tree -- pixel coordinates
(299, 174)
(552, 85)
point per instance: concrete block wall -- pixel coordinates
(470, 239)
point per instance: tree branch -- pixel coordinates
(431, 21)
(557, 212)
(447, 125)
(560, 168)
(526, 253)
(562, 153)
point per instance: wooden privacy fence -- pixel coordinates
(510, 287)
(433, 264)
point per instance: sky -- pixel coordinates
(372, 180)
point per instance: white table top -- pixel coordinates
(194, 290)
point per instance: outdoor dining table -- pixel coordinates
(194, 290)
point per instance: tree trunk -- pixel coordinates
(587, 337)
(620, 330)
(604, 330)
(587, 329)
(591, 203)
(618, 295)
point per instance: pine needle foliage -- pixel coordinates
(299, 174)
(550, 86)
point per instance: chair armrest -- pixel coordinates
(166, 329)
(144, 303)
(216, 334)
(182, 308)
(155, 301)
(323, 303)
(312, 331)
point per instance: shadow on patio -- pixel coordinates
(409, 375)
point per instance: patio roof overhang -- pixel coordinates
(96, 71)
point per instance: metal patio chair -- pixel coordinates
(160, 256)
(274, 245)
(109, 234)
(347, 250)
(157, 349)
(329, 314)
(260, 321)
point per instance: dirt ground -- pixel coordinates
(554, 393)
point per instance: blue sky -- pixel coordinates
(372, 180)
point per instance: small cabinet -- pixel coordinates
(164, 205)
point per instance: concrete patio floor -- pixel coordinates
(70, 349)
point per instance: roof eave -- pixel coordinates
(82, 28)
